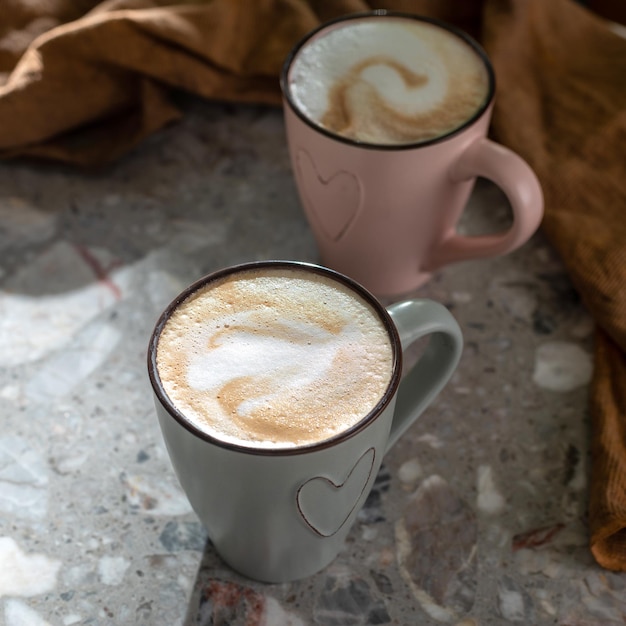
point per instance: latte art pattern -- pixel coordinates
(388, 80)
(274, 358)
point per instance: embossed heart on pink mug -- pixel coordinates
(334, 199)
(315, 494)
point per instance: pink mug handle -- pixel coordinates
(514, 176)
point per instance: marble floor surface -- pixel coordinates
(478, 515)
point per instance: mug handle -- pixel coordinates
(415, 319)
(520, 184)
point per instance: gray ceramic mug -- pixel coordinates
(277, 515)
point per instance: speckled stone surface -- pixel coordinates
(478, 516)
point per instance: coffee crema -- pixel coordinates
(388, 80)
(274, 358)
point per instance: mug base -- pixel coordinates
(389, 289)
(277, 573)
(385, 287)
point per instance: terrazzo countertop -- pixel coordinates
(478, 516)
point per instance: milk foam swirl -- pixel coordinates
(388, 80)
(274, 358)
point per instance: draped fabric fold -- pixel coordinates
(83, 82)
(562, 105)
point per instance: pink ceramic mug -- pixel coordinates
(386, 213)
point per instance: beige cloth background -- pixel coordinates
(82, 82)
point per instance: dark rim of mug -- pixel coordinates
(383, 13)
(382, 404)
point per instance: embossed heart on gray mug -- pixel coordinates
(313, 496)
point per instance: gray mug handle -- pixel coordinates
(415, 319)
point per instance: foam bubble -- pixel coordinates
(274, 358)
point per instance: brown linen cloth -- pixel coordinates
(86, 81)
(561, 72)
(83, 82)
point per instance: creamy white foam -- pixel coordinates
(274, 358)
(388, 80)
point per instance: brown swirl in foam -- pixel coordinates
(353, 383)
(368, 116)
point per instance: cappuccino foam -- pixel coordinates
(274, 358)
(387, 80)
